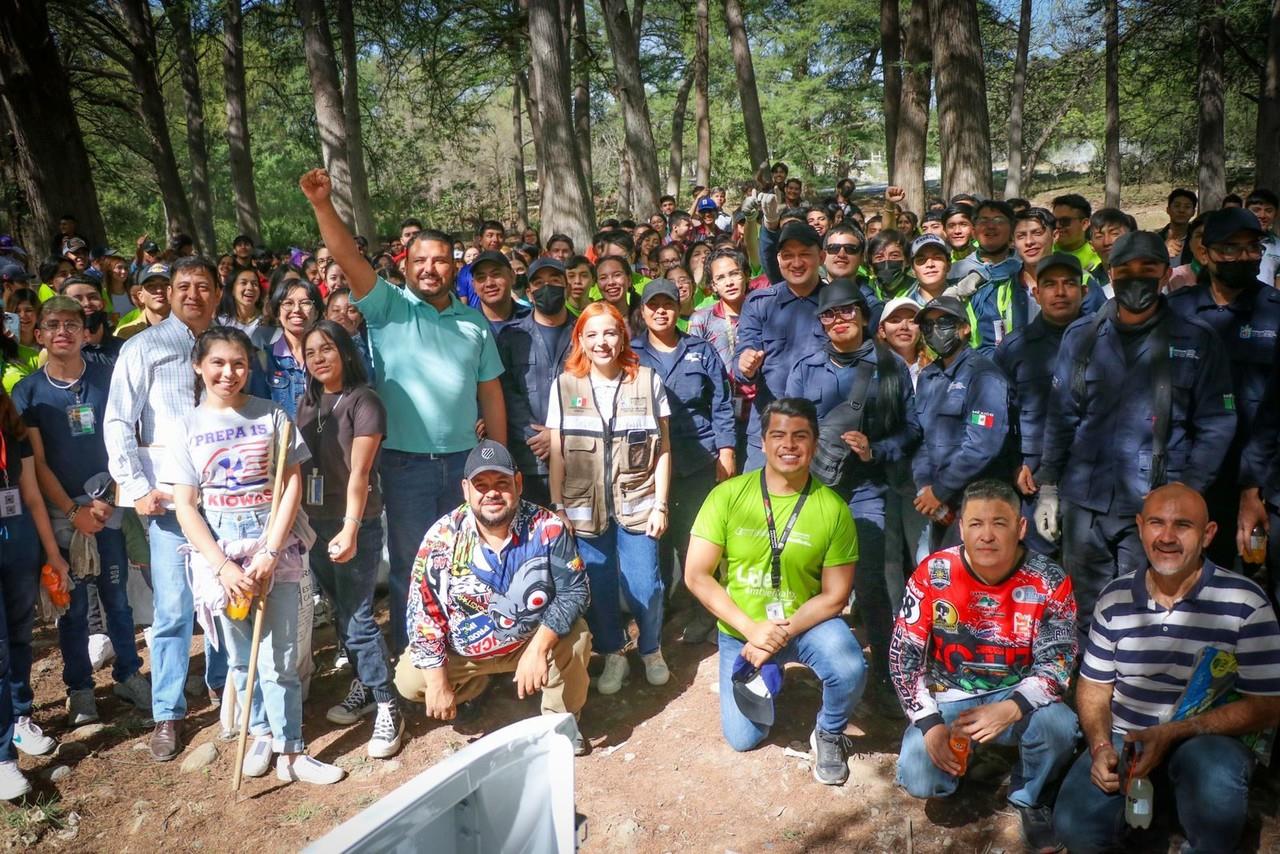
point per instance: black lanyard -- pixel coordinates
(776, 543)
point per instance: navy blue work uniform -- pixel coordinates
(893, 435)
(965, 410)
(996, 309)
(1027, 356)
(786, 328)
(1099, 436)
(1260, 467)
(519, 311)
(1095, 295)
(532, 357)
(701, 424)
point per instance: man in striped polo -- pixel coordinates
(1153, 630)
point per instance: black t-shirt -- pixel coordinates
(330, 430)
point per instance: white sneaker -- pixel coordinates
(615, 671)
(307, 769)
(655, 669)
(12, 784)
(257, 760)
(28, 738)
(388, 731)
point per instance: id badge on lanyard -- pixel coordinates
(774, 610)
(10, 498)
(315, 488)
(81, 420)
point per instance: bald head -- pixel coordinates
(1175, 529)
(1178, 495)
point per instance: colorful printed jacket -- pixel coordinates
(957, 637)
(466, 600)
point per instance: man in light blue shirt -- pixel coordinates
(438, 371)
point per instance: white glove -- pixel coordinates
(966, 287)
(1047, 512)
(769, 210)
(749, 205)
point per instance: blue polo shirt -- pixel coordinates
(429, 364)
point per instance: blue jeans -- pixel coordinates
(417, 489)
(277, 690)
(620, 560)
(1046, 739)
(870, 587)
(19, 589)
(350, 587)
(830, 650)
(73, 626)
(173, 625)
(1209, 776)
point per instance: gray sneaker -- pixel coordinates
(830, 757)
(136, 690)
(81, 708)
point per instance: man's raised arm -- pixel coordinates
(317, 187)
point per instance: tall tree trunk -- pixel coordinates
(1013, 172)
(179, 15)
(964, 131)
(331, 118)
(626, 184)
(623, 41)
(517, 143)
(701, 110)
(1267, 147)
(566, 205)
(141, 35)
(248, 220)
(52, 164)
(675, 168)
(361, 206)
(752, 119)
(535, 129)
(1111, 143)
(913, 117)
(1213, 165)
(890, 57)
(582, 90)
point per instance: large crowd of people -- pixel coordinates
(1031, 453)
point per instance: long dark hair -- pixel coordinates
(213, 335)
(227, 305)
(281, 290)
(277, 277)
(353, 375)
(11, 423)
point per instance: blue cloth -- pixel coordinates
(72, 459)
(1209, 775)
(1026, 356)
(1094, 296)
(619, 561)
(698, 392)
(1045, 738)
(462, 285)
(830, 650)
(991, 323)
(1096, 547)
(286, 377)
(518, 311)
(19, 590)
(1098, 447)
(965, 408)
(530, 365)
(73, 626)
(105, 353)
(1260, 460)
(1009, 268)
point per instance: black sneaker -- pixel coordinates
(358, 703)
(1037, 829)
(830, 757)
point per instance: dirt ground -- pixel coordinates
(660, 778)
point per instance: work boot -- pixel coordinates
(135, 690)
(166, 743)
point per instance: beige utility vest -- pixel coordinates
(609, 462)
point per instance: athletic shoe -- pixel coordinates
(28, 738)
(307, 769)
(388, 730)
(341, 660)
(1037, 829)
(358, 703)
(830, 757)
(81, 708)
(655, 669)
(257, 759)
(615, 672)
(135, 690)
(12, 784)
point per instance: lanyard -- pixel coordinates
(1004, 304)
(776, 543)
(320, 419)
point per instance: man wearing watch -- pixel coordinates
(790, 548)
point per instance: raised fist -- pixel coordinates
(316, 186)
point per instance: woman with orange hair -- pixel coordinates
(610, 472)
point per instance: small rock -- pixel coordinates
(663, 828)
(90, 730)
(142, 806)
(72, 750)
(44, 665)
(392, 766)
(875, 812)
(200, 757)
(627, 757)
(626, 830)
(59, 772)
(137, 825)
(141, 745)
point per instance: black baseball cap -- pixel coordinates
(947, 305)
(1221, 224)
(492, 256)
(10, 272)
(489, 456)
(1138, 246)
(660, 288)
(151, 247)
(799, 230)
(546, 262)
(841, 292)
(1059, 259)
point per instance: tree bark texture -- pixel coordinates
(248, 219)
(582, 90)
(179, 15)
(331, 118)
(752, 119)
(913, 116)
(361, 206)
(964, 130)
(1017, 98)
(890, 58)
(517, 143)
(635, 105)
(701, 110)
(1212, 134)
(1267, 147)
(675, 167)
(1111, 143)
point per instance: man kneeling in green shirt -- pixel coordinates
(790, 546)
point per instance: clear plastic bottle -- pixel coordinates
(1139, 801)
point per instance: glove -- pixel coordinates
(1047, 512)
(966, 287)
(769, 210)
(749, 205)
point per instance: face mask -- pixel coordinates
(1137, 295)
(549, 300)
(887, 271)
(1238, 275)
(943, 339)
(94, 320)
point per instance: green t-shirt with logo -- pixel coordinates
(733, 518)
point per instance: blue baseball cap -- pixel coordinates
(755, 688)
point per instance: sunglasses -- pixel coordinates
(942, 324)
(844, 248)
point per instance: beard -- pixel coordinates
(493, 518)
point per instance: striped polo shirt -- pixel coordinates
(1148, 653)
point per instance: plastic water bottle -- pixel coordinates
(944, 515)
(961, 746)
(1138, 802)
(1257, 551)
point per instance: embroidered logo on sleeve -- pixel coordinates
(978, 418)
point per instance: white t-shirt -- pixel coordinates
(605, 391)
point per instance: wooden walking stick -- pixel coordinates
(260, 612)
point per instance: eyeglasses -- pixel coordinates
(844, 248)
(72, 326)
(841, 312)
(1232, 251)
(305, 305)
(942, 324)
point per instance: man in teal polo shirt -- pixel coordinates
(438, 369)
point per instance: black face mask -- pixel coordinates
(1137, 295)
(95, 320)
(942, 336)
(549, 300)
(1238, 275)
(887, 271)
